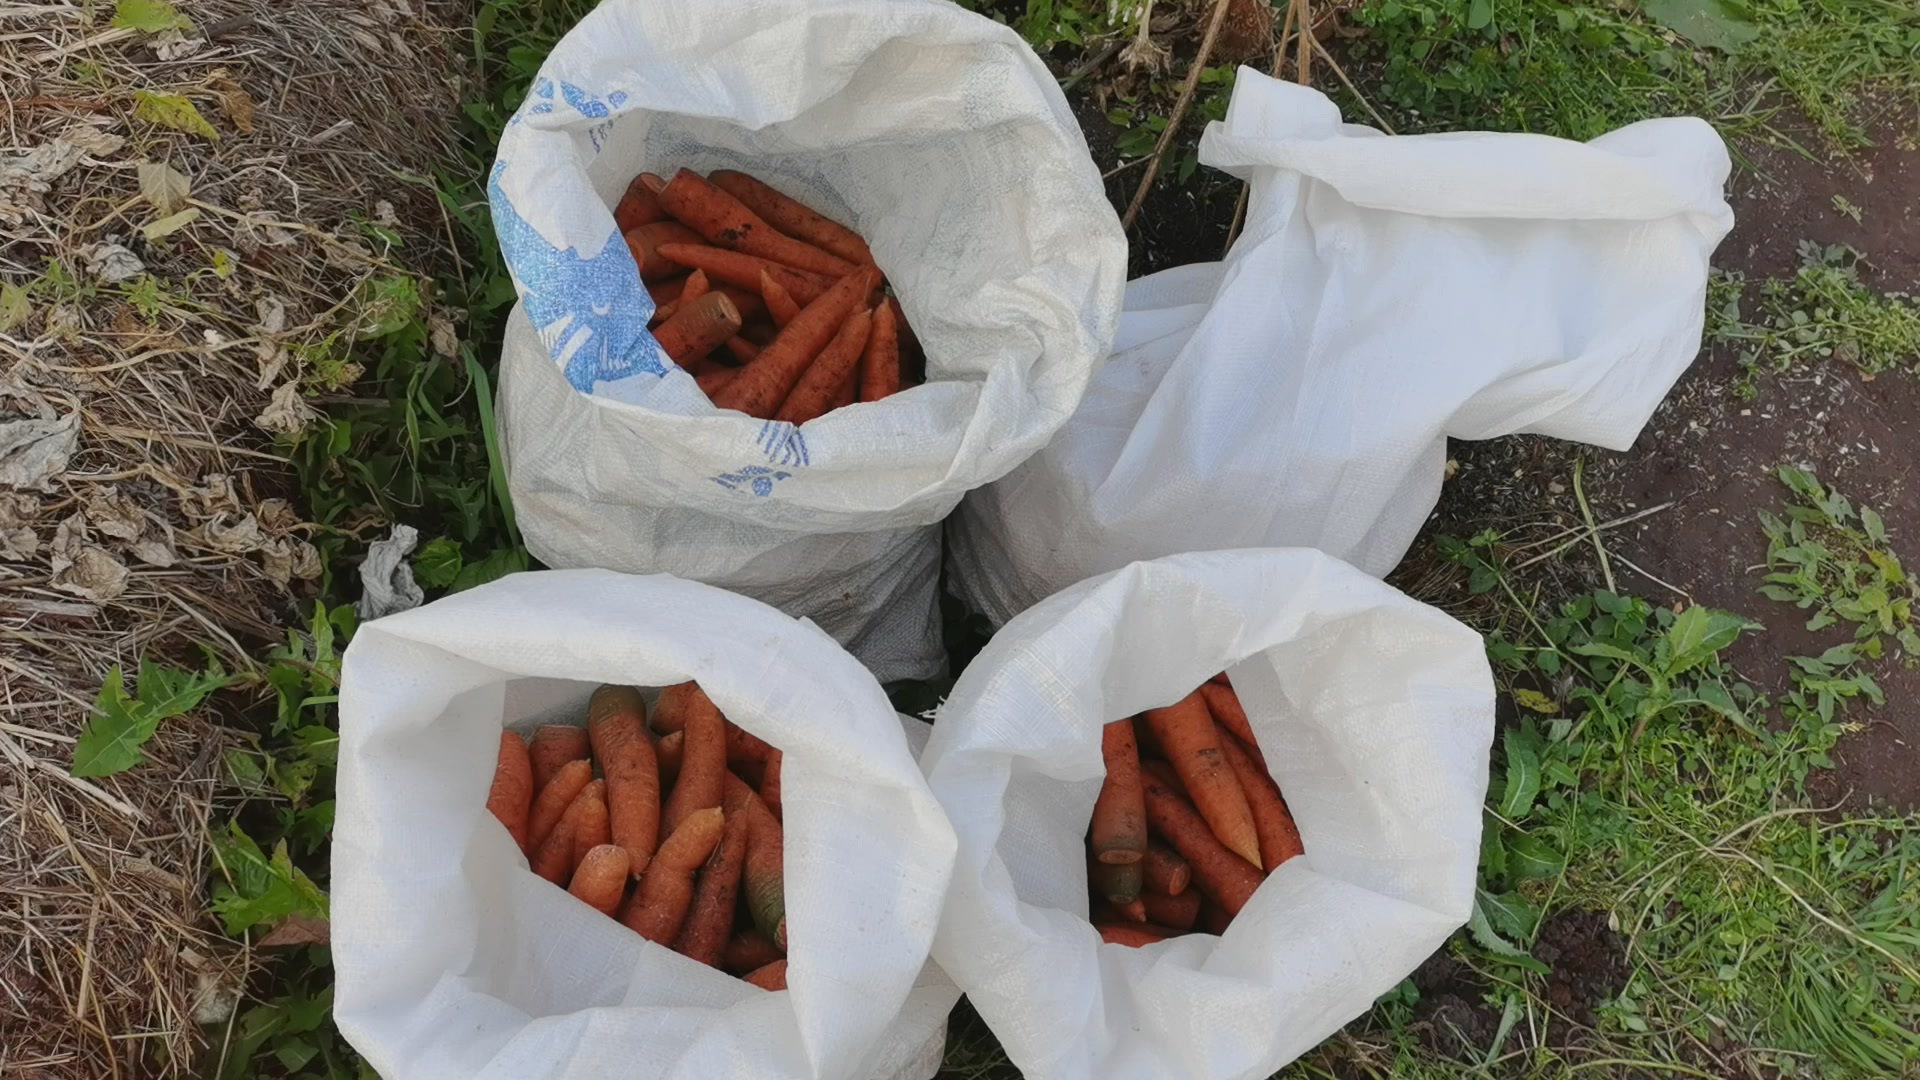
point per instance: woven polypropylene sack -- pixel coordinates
(936, 134)
(1375, 713)
(453, 959)
(1388, 293)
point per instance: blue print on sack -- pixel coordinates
(591, 313)
(755, 478)
(583, 101)
(783, 443)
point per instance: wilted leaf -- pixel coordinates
(1711, 24)
(172, 111)
(299, 930)
(149, 16)
(1535, 700)
(14, 306)
(172, 223)
(164, 186)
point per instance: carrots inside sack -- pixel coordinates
(1188, 822)
(679, 835)
(777, 310)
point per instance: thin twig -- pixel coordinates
(1179, 112)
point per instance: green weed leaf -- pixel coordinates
(172, 111)
(14, 306)
(1523, 778)
(437, 563)
(149, 16)
(1489, 939)
(1710, 24)
(495, 566)
(1697, 636)
(260, 888)
(1532, 857)
(1479, 14)
(121, 725)
(1509, 913)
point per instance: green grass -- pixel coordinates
(1824, 312)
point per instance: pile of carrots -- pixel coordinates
(679, 837)
(1188, 822)
(775, 309)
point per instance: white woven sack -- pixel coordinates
(1388, 293)
(453, 960)
(936, 134)
(1376, 715)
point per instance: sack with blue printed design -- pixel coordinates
(934, 133)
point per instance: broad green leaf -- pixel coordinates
(437, 563)
(1493, 852)
(1479, 14)
(1510, 913)
(497, 565)
(1876, 528)
(121, 725)
(1490, 940)
(1595, 648)
(1698, 634)
(1710, 24)
(172, 111)
(167, 226)
(1531, 857)
(149, 16)
(259, 888)
(1523, 779)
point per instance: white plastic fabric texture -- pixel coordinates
(453, 960)
(1375, 713)
(937, 135)
(1388, 293)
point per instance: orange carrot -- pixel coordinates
(697, 286)
(553, 859)
(697, 327)
(1218, 872)
(554, 799)
(553, 746)
(510, 798)
(660, 905)
(764, 876)
(849, 390)
(880, 367)
(665, 294)
(1279, 837)
(780, 302)
(639, 206)
(703, 765)
(766, 382)
(771, 977)
(646, 241)
(616, 720)
(1213, 918)
(1224, 704)
(1220, 679)
(601, 878)
(745, 747)
(743, 350)
(704, 934)
(670, 708)
(1117, 882)
(671, 749)
(748, 950)
(713, 383)
(1166, 871)
(770, 784)
(1186, 731)
(1175, 912)
(726, 222)
(1133, 935)
(744, 271)
(593, 826)
(689, 288)
(819, 385)
(793, 217)
(1119, 827)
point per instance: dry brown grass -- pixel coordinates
(166, 528)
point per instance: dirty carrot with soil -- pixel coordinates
(1279, 837)
(659, 906)
(601, 879)
(703, 765)
(1119, 826)
(1191, 741)
(780, 303)
(771, 977)
(820, 385)
(880, 365)
(766, 382)
(793, 217)
(697, 327)
(704, 935)
(553, 747)
(727, 222)
(616, 723)
(1220, 873)
(555, 798)
(510, 798)
(744, 271)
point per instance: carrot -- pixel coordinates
(697, 327)
(684, 290)
(713, 383)
(766, 382)
(639, 206)
(1119, 827)
(771, 977)
(660, 905)
(1225, 706)
(743, 350)
(554, 799)
(553, 746)
(671, 749)
(820, 384)
(665, 294)
(553, 859)
(848, 391)
(1132, 935)
(1118, 882)
(703, 765)
(793, 217)
(743, 746)
(880, 367)
(617, 723)
(726, 222)
(696, 287)
(764, 875)
(744, 271)
(1213, 918)
(770, 784)
(1192, 743)
(510, 798)
(1166, 871)
(1220, 679)
(748, 950)
(670, 708)
(780, 302)
(703, 936)
(1279, 837)
(593, 827)
(1218, 872)
(601, 878)
(1176, 912)
(645, 244)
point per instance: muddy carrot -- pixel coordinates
(665, 294)
(743, 350)
(712, 383)
(744, 271)
(1192, 744)
(849, 390)
(659, 906)
(1166, 871)
(770, 784)
(1218, 872)
(814, 394)
(771, 977)
(1119, 827)
(553, 747)
(639, 206)
(766, 382)
(601, 878)
(727, 222)
(1174, 912)
(669, 752)
(510, 798)
(1279, 837)
(617, 723)
(1213, 918)
(645, 242)
(743, 746)
(764, 877)
(704, 934)
(1225, 706)
(703, 764)
(748, 950)
(1132, 934)
(1220, 679)
(670, 708)
(592, 828)
(793, 217)
(553, 859)
(780, 303)
(554, 799)
(684, 290)
(880, 367)
(697, 327)
(1119, 883)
